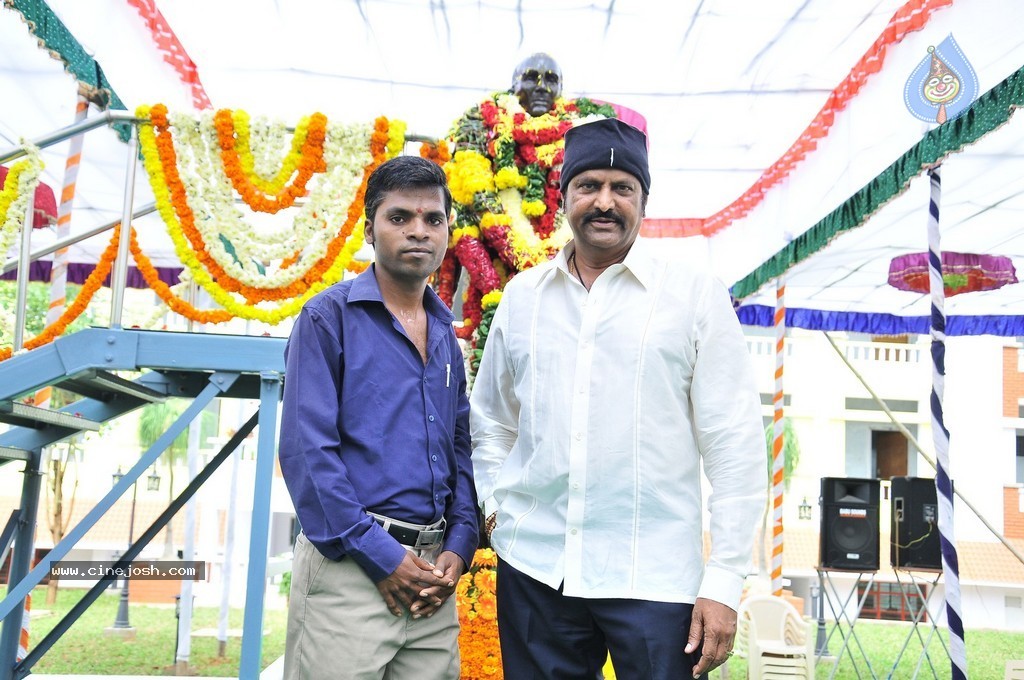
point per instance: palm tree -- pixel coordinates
(790, 459)
(154, 420)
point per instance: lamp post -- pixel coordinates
(804, 509)
(153, 480)
(821, 640)
(121, 622)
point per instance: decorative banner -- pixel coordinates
(173, 51)
(961, 272)
(942, 86)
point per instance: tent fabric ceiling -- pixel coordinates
(725, 87)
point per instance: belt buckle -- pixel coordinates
(428, 539)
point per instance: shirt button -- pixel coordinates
(573, 532)
(433, 458)
(430, 418)
(576, 485)
(579, 436)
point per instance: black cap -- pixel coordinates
(603, 144)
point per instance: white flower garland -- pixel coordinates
(316, 222)
(14, 219)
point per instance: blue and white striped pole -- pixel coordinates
(943, 482)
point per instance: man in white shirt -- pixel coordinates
(609, 375)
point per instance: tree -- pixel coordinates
(36, 303)
(156, 419)
(57, 516)
(790, 459)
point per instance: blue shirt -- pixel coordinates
(367, 427)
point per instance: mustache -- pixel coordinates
(604, 215)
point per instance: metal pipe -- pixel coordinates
(106, 118)
(20, 305)
(119, 277)
(12, 263)
(61, 134)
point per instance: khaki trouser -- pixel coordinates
(340, 629)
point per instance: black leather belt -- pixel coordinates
(414, 538)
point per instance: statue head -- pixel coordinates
(537, 82)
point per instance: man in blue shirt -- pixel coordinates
(375, 452)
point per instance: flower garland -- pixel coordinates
(235, 245)
(309, 161)
(173, 302)
(18, 189)
(173, 196)
(504, 178)
(81, 302)
(476, 601)
(258, 177)
(436, 151)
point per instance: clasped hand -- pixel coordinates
(419, 586)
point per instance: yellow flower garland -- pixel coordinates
(243, 145)
(19, 189)
(166, 208)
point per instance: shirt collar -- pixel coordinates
(365, 288)
(639, 262)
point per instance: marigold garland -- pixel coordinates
(74, 310)
(172, 201)
(504, 177)
(289, 164)
(174, 303)
(436, 151)
(310, 161)
(476, 601)
(19, 188)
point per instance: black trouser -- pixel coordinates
(546, 635)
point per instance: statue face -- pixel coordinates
(537, 82)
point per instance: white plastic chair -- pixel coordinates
(777, 642)
(1014, 669)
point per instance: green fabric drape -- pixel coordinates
(991, 110)
(55, 37)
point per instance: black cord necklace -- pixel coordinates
(574, 268)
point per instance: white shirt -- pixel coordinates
(590, 414)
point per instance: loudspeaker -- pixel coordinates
(914, 539)
(849, 524)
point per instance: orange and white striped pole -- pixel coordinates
(59, 270)
(778, 462)
(58, 291)
(23, 637)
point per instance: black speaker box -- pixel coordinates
(914, 538)
(849, 524)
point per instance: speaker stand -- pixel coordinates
(844, 623)
(918, 619)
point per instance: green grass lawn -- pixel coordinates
(987, 653)
(84, 649)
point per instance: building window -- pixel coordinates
(1020, 456)
(886, 601)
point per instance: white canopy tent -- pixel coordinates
(726, 89)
